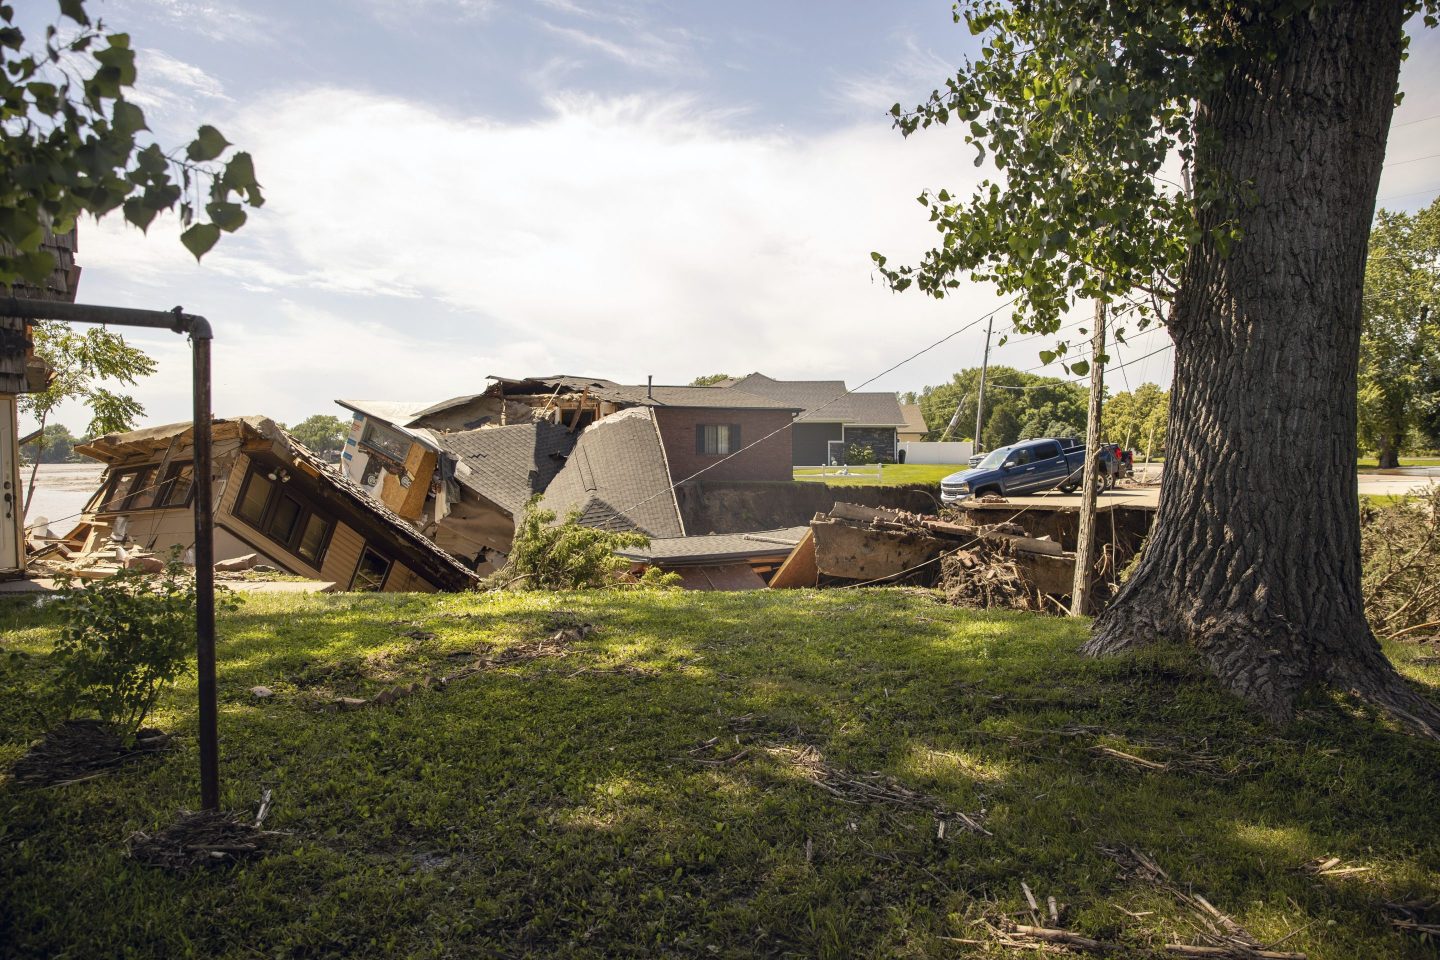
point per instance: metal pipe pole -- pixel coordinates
(204, 500)
(1085, 538)
(198, 329)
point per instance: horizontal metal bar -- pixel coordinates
(175, 320)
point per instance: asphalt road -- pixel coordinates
(1391, 482)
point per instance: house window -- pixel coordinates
(717, 439)
(370, 574)
(283, 516)
(177, 486)
(126, 488)
(388, 441)
(254, 498)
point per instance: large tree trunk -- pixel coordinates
(1389, 451)
(1255, 556)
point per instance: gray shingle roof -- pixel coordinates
(643, 395)
(547, 384)
(727, 398)
(507, 465)
(825, 401)
(680, 551)
(618, 479)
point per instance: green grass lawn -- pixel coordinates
(1371, 465)
(892, 474)
(641, 796)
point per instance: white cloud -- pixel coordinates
(215, 21)
(906, 81)
(644, 51)
(612, 236)
(169, 88)
(404, 13)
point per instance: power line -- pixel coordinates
(890, 369)
(1409, 122)
(1396, 163)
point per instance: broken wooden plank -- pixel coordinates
(799, 568)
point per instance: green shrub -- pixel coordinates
(656, 579)
(122, 640)
(860, 454)
(564, 556)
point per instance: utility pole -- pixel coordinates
(980, 400)
(1085, 539)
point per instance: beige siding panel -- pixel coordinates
(342, 556)
(232, 481)
(404, 580)
(159, 530)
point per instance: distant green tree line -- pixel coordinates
(1020, 405)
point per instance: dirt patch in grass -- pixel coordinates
(81, 750)
(208, 838)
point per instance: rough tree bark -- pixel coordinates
(1389, 451)
(1255, 556)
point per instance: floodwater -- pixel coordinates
(61, 491)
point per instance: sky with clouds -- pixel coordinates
(619, 188)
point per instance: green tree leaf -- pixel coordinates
(207, 145)
(200, 238)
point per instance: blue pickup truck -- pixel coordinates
(1026, 467)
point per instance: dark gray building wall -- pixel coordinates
(879, 439)
(809, 443)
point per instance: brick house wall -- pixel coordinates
(767, 460)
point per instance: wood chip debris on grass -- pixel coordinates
(1222, 935)
(873, 788)
(1415, 916)
(82, 750)
(1331, 867)
(1234, 943)
(205, 838)
(866, 788)
(1028, 937)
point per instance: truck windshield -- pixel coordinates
(993, 459)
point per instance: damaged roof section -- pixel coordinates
(668, 552)
(644, 395)
(508, 465)
(617, 478)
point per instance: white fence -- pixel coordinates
(917, 451)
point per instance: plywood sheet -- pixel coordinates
(729, 576)
(799, 568)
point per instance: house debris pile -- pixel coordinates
(279, 509)
(1020, 561)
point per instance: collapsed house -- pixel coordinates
(461, 470)
(276, 503)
